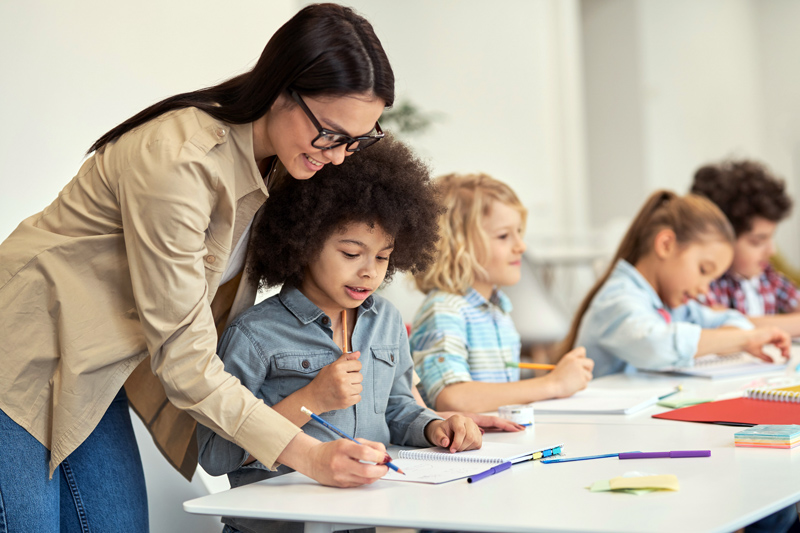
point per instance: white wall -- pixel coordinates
(674, 84)
(72, 70)
(779, 73)
(506, 78)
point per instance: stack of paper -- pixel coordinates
(769, 436)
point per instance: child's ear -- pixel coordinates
(665, 243)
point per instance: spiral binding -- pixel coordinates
(773, 395)
(412, 454)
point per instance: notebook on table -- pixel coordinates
(724, 366)
(601, 402)
(758, 406)
(437, 465)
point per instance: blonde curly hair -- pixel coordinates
(463, 246)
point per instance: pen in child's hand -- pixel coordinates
(387, 459)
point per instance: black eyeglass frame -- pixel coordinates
(321, 132)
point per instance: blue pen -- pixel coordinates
(346, 436)
(584, 458)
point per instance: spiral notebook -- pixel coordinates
(438, 465)
(780, 394)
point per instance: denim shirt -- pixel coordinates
(624, 327)
(278, 346)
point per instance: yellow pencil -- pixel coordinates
(344, 331)
(534, 366)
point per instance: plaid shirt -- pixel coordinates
(778, 293)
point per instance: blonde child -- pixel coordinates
(642, 313)
(755, 202)
(462, 336)
(332, 241)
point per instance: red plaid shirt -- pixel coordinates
(779, 294)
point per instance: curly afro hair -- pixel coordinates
(385, 185)
(743, 190)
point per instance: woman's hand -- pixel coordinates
(336, 463)
(572, 373)
(338, 385)
(486, 421)
(757, 338)
(458, 433)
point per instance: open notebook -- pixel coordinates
(438, 465)
(601, 402)
(725, 366)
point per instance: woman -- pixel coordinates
(139, 260)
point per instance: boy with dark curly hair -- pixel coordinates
(754, 201)
(332, 241)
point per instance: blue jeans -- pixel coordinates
(778, 522)
(99, 487)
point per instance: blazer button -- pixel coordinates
(326, 320)
(305, 363)
(210, 258)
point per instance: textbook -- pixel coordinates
(601, 402)
(437, 465)
(724, 366)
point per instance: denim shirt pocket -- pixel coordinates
(295, 370)
(384, 362)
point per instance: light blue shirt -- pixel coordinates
(459, 338)
(623, 328)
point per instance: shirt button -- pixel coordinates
(391, 356)
(326, 320)
(441, 359)
(305, 363)
(210, 258)
(220, 132)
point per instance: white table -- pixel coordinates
(732, 488)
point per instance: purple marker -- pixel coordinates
(671, 455)
(491, 471)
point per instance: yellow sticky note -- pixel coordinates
(663, 482)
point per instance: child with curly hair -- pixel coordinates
(463, 336)
(754, 201)
(332, 241)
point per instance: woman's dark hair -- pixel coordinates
(325, 49)
(386, 186)
(743, 190)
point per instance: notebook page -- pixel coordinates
(601, 402)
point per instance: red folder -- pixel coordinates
(739, 411)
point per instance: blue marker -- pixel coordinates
(584, 458)
(486, 473)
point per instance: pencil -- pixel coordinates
(535, 366)
(344, 331)
(346, 436)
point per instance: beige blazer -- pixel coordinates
(126, 264)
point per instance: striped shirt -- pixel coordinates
(458, 338)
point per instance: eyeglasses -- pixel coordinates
(327, 139)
